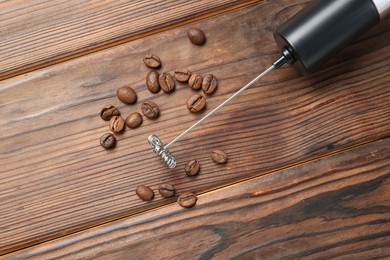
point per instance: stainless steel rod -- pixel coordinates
(221, 105)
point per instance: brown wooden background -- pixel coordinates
(309, 155)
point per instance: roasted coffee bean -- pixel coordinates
(117, 124)
(152, 81)
(218, 156)
(195, 81)
(192, 168)
(152, 61)
(150, 109)
(134, 120)
(187, 199)
(166, 81)
(144, 193)
(182, 74)
(209, 83)
(108, 141)
(127, 95)
(196, 36)
(196, 103)
(108, 112)
(166, 190)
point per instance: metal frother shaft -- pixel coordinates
(163, 151)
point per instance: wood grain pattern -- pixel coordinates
(55, 179)
(334, 208)
(39, 33)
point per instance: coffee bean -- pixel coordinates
(152, 61)
(196, 103)
(209, 83)
(126, 95)
(218, 156)
(152, 81)
(108, 112)
(192, 168)
(166, 81)
(166, 190)
(195, 81)
(182, 74)
(196, 36)
(134, 120)
(144, 193)
(117, 124)
(150, 109)
(187, 199)
(108, 141)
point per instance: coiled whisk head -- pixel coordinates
(159, 149)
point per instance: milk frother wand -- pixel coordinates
(306, 41)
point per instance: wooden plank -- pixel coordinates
(39, 33)
(336, 207)
(55, 179)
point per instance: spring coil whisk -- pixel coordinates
(163, 153)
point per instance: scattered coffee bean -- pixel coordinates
(196, 103)
(127, 95)
(108, 141)
(108, 112)
(134, 120)
(152, 61)
(187, 199)
(152, 81)
(166, 190)
(196, 36)
(117, 124)
(182, 74)
(209, 83)
(150, 109)
(166, 81)
(218, 156)
(192, 168)
(144, 193)
(195, 81)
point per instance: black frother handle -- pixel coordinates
(322, 29)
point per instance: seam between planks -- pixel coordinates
(227, 185)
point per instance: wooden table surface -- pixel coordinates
(309, 157)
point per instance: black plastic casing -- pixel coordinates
(324, 28)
